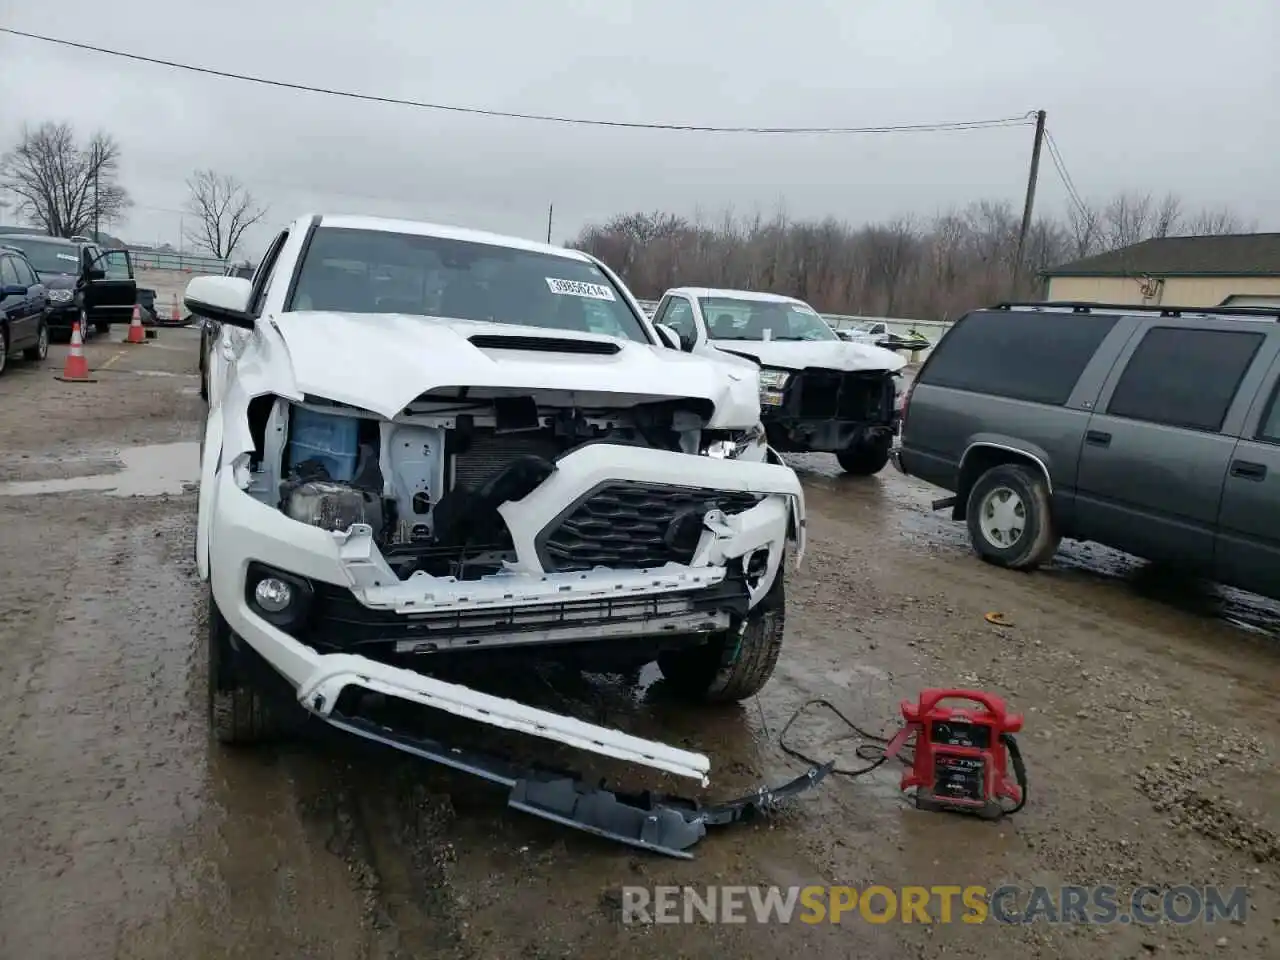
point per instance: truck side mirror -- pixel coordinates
(669, 336)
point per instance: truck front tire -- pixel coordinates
(732, 666)
(238, 712)
(866, 455)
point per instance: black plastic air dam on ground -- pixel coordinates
(649, 821)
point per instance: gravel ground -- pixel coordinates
(1151, 731)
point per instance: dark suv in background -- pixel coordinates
(1155, 431)
(83, 282)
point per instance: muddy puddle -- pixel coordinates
(143, 471)
(903, 506)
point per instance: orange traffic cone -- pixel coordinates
(174, 315)
(76, 369)
(136, 333)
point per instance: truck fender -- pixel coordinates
(210, 457)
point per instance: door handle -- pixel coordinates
(1097, 438)
(1248, 470)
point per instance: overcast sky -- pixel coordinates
(1141, 94)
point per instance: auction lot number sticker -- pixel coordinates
(579, 288)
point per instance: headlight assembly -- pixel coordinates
(722, 446)
(772, 383)
(60, 296)
(773, 379)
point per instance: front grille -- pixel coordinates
(338, 622)
(625, 526)
(829, 394)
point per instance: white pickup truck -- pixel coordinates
(818, 392)
(427, 445)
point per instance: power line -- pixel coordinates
(945, 126)
(1060, 165)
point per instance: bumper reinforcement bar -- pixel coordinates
(650, 821)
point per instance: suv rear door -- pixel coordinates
(1156, 450)
(115, 291)
(1247, 547)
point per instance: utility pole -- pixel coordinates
(1030, 204)
(550, 210)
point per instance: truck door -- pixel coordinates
(1155, 453)
(1247, 547)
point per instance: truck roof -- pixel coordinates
(424, 229)
(736, 294)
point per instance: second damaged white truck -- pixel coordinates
(426, 445)
(818, 393)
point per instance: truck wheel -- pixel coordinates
(1009, 517)
(732, 667)
(866, 456)
(238, 713)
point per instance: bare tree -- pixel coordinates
(224, 209)
(1217, 223)
(61, 186)
(962, 259)
(1084, 226)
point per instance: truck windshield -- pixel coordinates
(733, 319)
(374, 271)
(48, 256)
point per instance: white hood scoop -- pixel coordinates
(384, 362)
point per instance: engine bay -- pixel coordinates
(430, 482)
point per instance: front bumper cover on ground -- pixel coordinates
(649, 821)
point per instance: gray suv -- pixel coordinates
(1152, 430)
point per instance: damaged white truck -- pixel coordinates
(427, 445)
(818, 392)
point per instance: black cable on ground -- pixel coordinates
(872, 751)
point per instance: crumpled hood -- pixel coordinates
(382, 362)
(826, 354)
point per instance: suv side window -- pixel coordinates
(1269, 429)
(1182, 377)
(1022, 355)
(8, 273)
(26, 276)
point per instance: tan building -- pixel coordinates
(1176, 271)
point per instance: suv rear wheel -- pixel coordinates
(41, 349)
(1009, 517)
(732, 666)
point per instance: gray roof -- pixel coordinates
(1228, 255)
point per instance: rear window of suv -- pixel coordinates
(1022, 355)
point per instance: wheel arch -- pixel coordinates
(981, 455)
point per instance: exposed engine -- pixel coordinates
(430, 483)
